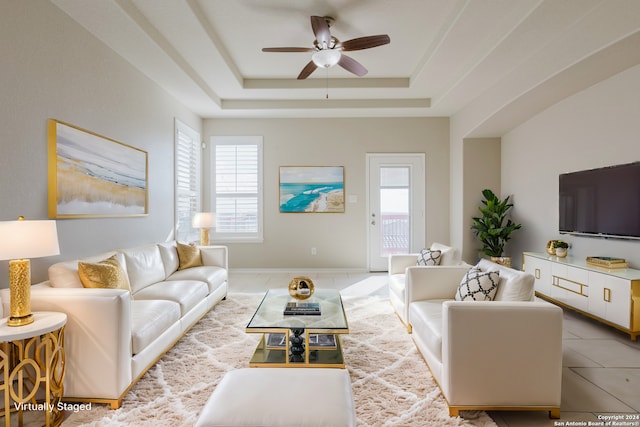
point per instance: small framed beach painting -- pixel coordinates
(312, 189)
(94, 176)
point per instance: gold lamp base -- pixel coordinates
(20, 321)
(20, 292)
(204, 237)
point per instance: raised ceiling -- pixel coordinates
(445, 57)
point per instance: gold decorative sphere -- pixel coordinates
(301, 287)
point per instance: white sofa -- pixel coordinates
(504, 354)
(398, 265)
(114, 336)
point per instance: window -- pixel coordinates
(188, 178)
(395, 186)
(237, 188)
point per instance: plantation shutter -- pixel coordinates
(237, 197)
(188, 177)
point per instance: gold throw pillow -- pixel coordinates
(189, 256)
(104, 274)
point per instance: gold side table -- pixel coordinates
(32, 367)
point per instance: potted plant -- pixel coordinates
(494, 228)
(561, 248)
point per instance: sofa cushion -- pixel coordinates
(65, 274)
(150, 318)
(429, 257)
(426, 319)
(450, 256)
(169, 254)
(214, 277)
(397, 285)
(104, 274)
(478, 285)
(514, 285)
(188, 255)
(187, 293)
(144, 266)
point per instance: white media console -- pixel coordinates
(611, 296)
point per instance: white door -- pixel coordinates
(395, 206)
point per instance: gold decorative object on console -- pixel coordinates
(22, 240)
(551, 250)
(204, 221)
(301, 287)
(502, 260)
(607, 262)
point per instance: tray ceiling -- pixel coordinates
(444, 56)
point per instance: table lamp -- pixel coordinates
(204, 221)
(22, 240)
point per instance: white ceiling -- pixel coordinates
(445, 57)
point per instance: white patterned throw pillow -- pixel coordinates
(478, 285)
(429, 257)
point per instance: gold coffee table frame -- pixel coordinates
(32, 359)
(269, 319)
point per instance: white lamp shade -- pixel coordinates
(28, 239)
(326, 58)
(204, 220)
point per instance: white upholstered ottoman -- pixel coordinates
(288, 397)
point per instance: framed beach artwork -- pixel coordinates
(94, 176)
(308, 189)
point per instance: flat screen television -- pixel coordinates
(601, 202)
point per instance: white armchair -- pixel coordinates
(504, 354)
(398, 265)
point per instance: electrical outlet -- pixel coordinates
(314, 251)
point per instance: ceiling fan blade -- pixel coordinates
(321, 30)
(287, 49)
(365, 42)
(352, 66)
(307, 70)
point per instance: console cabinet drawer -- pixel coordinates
(541, 271)
(570, 285)
(610, 298)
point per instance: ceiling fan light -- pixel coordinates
(326, 58)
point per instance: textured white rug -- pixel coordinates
(391, 383)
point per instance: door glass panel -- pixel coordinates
(394, 210)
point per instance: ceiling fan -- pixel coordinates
(328, 49)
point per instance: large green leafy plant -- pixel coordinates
(494, 228)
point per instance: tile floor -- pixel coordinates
(601, 365)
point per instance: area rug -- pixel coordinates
(391, 383)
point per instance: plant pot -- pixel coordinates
(502, 260)
(561, 252)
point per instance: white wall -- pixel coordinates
(481, 159)
(340, 239)
(52, 68)
(594, 128)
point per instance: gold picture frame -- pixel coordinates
(92, 176)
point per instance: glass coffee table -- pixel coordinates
(299, 340)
